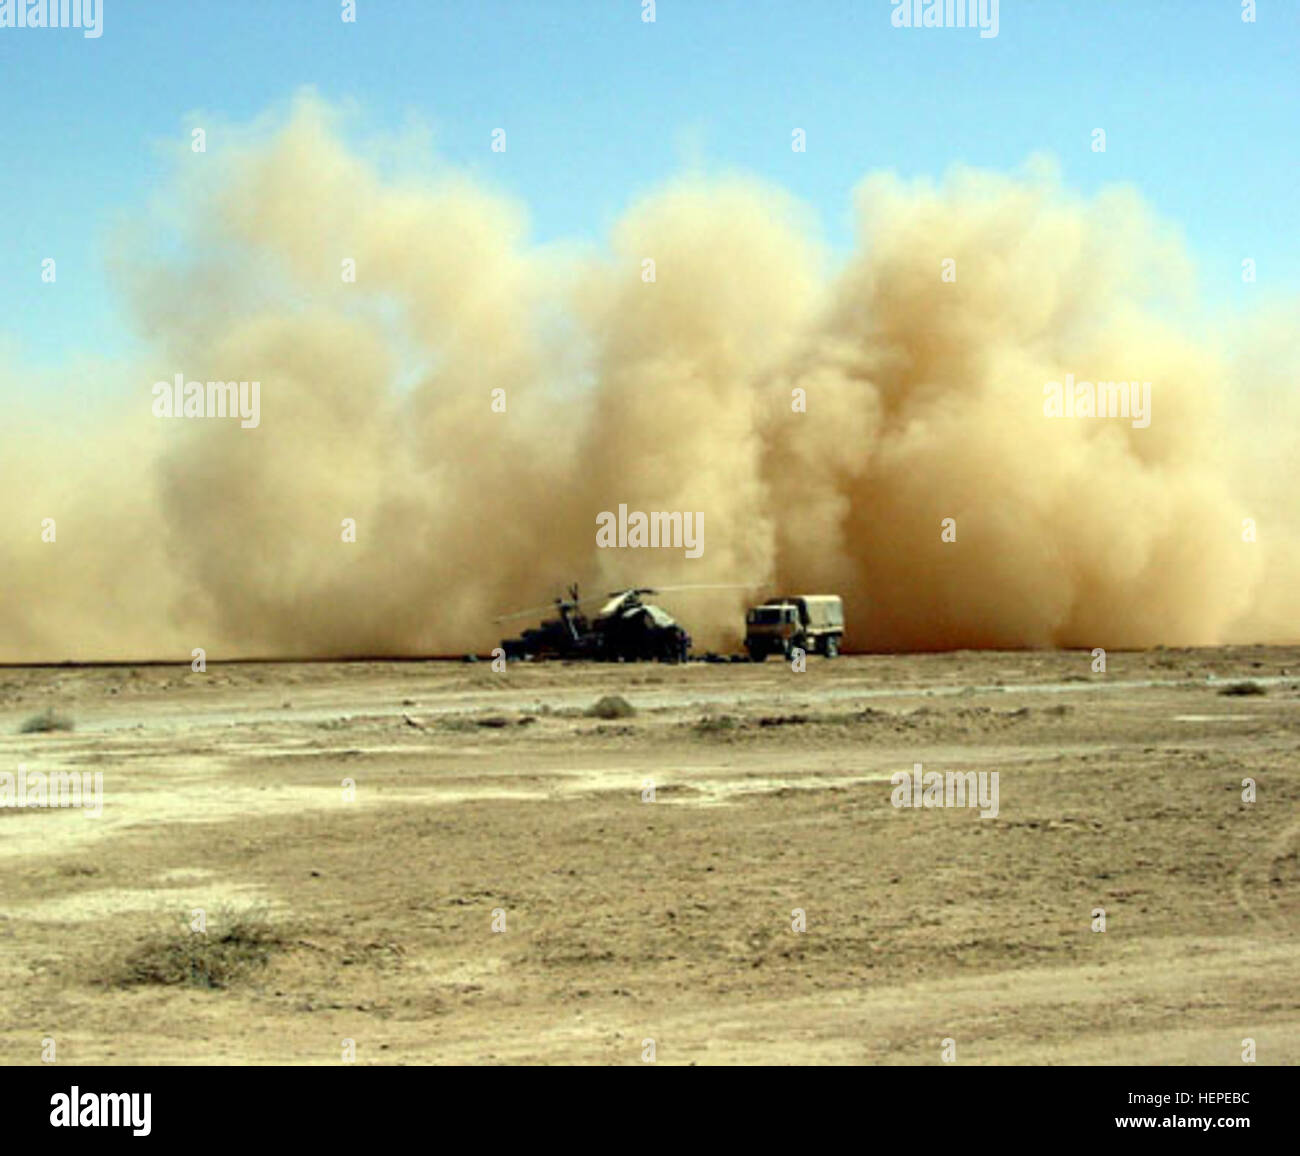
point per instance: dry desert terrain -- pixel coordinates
(647, 869)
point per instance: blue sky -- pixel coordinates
(1200, 111)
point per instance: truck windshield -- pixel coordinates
(765, 616)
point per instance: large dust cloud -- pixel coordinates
(923, 401)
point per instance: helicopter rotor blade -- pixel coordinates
(552, 605)
(714, 586)
(535, 610)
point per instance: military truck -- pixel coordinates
(811, 622)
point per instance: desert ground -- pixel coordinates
(357, 834)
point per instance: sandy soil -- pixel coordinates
(669, 920)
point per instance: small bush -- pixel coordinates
(234, 945)
(48, 720)
(611, 706)
(783, 720)
(1240, 688)
(713, 723)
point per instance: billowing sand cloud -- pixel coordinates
(924, 402)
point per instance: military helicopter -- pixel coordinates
(624, 629)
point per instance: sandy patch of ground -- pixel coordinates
(381, 816)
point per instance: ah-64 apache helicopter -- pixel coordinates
(624, 629)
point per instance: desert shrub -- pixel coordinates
(714, 723)
(235, 944)
(611, 706)
(48, 720)
(1242, 688)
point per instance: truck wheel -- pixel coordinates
(832, 646)
(756, 653)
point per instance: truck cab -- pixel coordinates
(807, 622)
